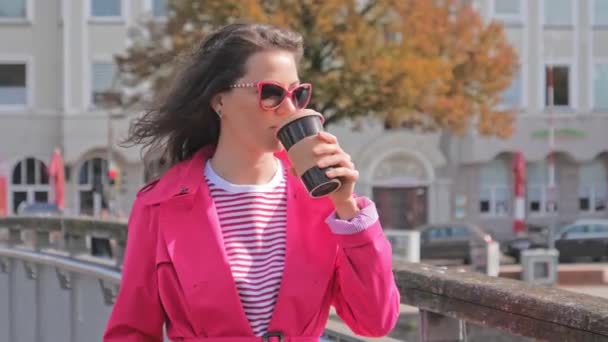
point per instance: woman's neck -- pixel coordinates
(243, 165)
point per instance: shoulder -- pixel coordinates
(165, 186)
(147, 187)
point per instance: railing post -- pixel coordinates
(75, 243)
(14, 235)
(42, 239)
(119, 247)
(434, 327)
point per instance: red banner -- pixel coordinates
(3, 197)
(519, 192)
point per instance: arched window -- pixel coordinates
(92, 183)
(29, 183)
(538, 195)
(494, 188)
(593, 186)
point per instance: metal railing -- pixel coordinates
(47, 269)
(52, 297)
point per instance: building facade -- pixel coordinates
(421, 178)
(57, 56)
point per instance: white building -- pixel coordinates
(420, 178)
(58, 53)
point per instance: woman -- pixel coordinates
(228, 245)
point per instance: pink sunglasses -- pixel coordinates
(271, 94)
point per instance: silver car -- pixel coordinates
(450, 240)
(586, 238)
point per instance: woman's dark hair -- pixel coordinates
(183, 121)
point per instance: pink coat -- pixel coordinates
(176, 271)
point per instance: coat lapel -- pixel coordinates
(194, 241)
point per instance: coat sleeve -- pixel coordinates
(364, 291)
(137, 314)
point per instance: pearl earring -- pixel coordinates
(219, 113)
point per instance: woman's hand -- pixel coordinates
(330, 154)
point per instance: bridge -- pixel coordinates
(59, 277)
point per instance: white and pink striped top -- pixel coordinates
(253, 219)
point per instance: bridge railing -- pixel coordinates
(58, 253)
(450, 300)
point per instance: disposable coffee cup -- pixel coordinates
(298, 136)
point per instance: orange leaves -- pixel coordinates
(433, 63)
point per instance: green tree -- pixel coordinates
(419, 63)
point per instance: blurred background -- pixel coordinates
(490, 112)
(469, 120)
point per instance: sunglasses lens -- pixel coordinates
(271, 95)
(301, 96)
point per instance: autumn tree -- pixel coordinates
(433, 64)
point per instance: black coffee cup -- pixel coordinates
(295, 131)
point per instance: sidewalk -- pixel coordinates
(598, 291)
(575, 275)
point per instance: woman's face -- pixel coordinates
(244, 121)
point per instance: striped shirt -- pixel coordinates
(253, 219)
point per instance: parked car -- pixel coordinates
(38, 209)
(450, 240)
(586, 238)
(535, 236)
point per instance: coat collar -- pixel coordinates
(184, 177)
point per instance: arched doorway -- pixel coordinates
(400, 189)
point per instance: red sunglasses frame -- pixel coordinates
(288, 93)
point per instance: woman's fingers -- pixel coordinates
(345, 173)
(327, 137)
(325, 148)
(341, 159)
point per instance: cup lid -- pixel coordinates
(298, 115)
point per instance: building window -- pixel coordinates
(508, 10)
(93, 181)
(593, 187)
(561, 85)
(102, 79)
(494, 189)
(13, 9)
(600, 12)
(159, 8)
(106, 8)
(558, 12)
(538, 195)
(511, 98)
(29, 183)
(13, 85)
(600, 86)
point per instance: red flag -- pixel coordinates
(56, 173)
(3, 196)
(519, 183)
